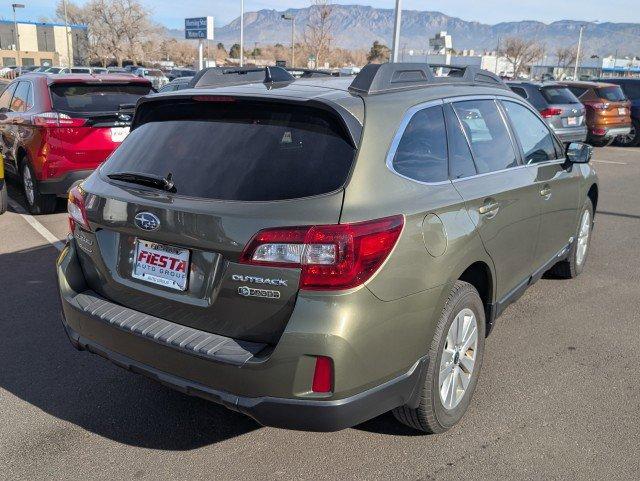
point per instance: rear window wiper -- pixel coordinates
(148, 180)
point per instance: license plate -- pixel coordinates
(572, 121)
(622, 111)
(161, 264)
(118, 134)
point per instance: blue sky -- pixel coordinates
(172, 13)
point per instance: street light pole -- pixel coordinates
(575, 68)
(288, 16)
(396, 31)
(66, 32)
(16, 34)
(242, 33)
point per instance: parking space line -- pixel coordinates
(42, 230)
(609, 162)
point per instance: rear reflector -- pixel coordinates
(323, 375)
(331, 257)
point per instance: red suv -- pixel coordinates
(55, 130)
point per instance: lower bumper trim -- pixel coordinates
(300, 414)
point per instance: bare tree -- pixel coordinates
(520, 53)
(566, 56)
(317, 33)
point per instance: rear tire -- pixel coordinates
(37, 203)
(575, 262)
(452, 364)
(632, 139)
(4, 198)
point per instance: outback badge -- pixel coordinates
(246, 291)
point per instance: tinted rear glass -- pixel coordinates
(613, 93)
(246, 151)
(559, 95)
(95, 98)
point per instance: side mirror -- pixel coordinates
(579, 153)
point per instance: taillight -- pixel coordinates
(76, 209)
(550, 112)
(56, 119)
(331, 257)
(322, 375)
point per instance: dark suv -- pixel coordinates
(314, 253)
(560, 108)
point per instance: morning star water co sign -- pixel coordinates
(198, 28)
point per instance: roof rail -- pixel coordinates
(223, 76)
(390, 77)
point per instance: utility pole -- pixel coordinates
(15, 32)
(396, 31)
(497, 54)
(242, 33)
(575, 68)
(292, 18)
(66, 31)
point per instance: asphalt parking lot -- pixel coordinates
(559, 396)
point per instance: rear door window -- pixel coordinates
(559, 95)
(20, 101)
(460, 160)
(534, 136)
(520, 91)
(422, 151)
(95, 97)
(5, 98)
(612, 93)
(239, 150)
(490, 141)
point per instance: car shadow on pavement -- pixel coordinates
(40, 366)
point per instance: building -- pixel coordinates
(588, 68)
(41, 44)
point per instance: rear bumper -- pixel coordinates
(269, 384)
(608, 132)
(572, 134)
(61, 185)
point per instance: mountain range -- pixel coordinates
(357, 26)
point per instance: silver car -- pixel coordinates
(560, 108)
(155, 76)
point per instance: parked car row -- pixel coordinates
(600, 112)
(56, 129)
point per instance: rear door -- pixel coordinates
(101, 113)
(238, 167)
(501, 199)
(556, 184)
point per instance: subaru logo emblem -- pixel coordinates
(147, 221)
(124, 117)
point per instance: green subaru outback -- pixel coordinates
(314, 253)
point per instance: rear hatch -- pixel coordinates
(564, 110)
(89, 120)
(236, 167)
(611, 109)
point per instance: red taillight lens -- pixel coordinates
(599, 106)
(55, 119)
(331, 257)
(76, 209)
(323, 375)
(546, 113)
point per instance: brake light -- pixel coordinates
(331, 257)
(550, 112)
(76, 209)
(214, 98)
(56, 119)
(322, 375)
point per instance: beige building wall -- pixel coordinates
(28, 37)
(60, 43)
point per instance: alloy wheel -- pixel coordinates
(583, 237)
(27, 182)
(458, 358)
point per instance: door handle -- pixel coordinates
(490, 208)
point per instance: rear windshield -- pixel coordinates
(559, 95)
(613, 93)
(95, 98)
(244, 151)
